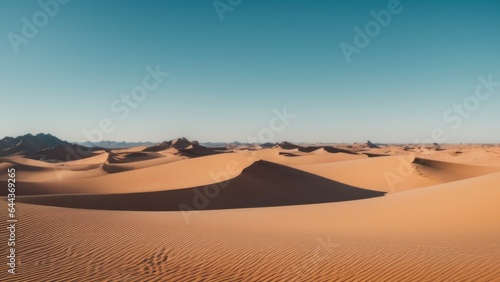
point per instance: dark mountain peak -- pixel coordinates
(44, 135)
(372, 145)
(179, 144)
(28, 144)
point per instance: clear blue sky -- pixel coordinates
(226, 77)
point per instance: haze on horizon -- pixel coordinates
(227, 78)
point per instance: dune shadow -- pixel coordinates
(263, 184)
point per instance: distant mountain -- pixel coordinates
(331, 149)
(49, 148)
(115, 144)
(372, 145)
(186, 147)
(28, 144)
(179, 144)
(44, 147)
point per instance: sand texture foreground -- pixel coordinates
(276, 214)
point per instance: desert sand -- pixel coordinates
(275, 214)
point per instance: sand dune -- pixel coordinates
(314, 158)
(279, 215)
(119, 162)
(132, 157)
(259, 185)
(175, 175)
(394, 173)
(446, 171)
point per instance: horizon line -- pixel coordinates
(275, 142)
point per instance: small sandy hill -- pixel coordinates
(257, 147)
(169, 152)
(197, 150)
(137, 160)
(173, 175)
(445, 171)
(132, 157)
(264, 154)
(394, 173)
(129, 150)
(33, 171)
(312, 158)
(25, 163)
(35, 165)
(63, 153)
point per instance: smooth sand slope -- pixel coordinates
(266, 215)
